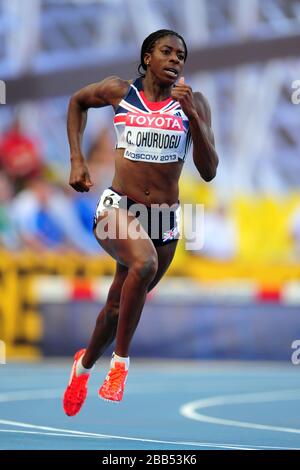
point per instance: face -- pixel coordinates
(166, 60)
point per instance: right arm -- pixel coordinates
(97, 95)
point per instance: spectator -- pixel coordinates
(19, 154)
(46, 219)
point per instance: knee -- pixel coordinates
(146, 269)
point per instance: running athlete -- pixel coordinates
(156, 118)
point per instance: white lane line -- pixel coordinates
(189, 410)
(107, 436)
(207, 444)
(276, 448)
(17, 431)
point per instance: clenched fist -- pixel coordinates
(79, 177)
(184, 95)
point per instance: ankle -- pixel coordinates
(86, 364)
(82, 369)
(116, 358)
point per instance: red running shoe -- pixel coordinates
(76, 390)
(113, 386)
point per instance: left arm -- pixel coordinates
(196, 108)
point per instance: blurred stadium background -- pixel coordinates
(238, 297)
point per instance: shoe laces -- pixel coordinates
(116, 376)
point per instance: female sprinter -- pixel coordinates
(156, 118)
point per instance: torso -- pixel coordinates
(147, 182)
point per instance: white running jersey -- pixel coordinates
(155, 132)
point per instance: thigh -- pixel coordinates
(120, 243)
(165, 255)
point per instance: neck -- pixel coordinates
(154, 90)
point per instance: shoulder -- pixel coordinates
(114, 89)
(109, 91)
(202, 106)
(117, 82)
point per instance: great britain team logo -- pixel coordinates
(170, 234)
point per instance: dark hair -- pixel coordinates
(150, 41)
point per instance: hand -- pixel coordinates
(184, 95)
(79, 177)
